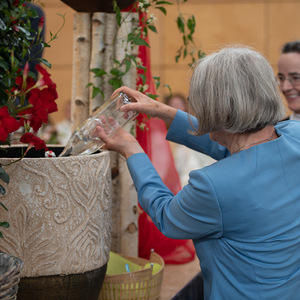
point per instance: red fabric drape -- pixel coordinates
(153, 141)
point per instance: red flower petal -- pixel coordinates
(8, 124)
(31, 139)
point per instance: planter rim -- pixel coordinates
(94, 155)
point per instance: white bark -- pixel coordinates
(109, 40)
(97, 55)
(131, 22)
(81, 63)
(128, 212)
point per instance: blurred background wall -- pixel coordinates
(263, 24)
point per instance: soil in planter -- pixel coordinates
(85, 286)
(16, 152)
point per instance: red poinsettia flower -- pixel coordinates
(33, 141)
(8, 124)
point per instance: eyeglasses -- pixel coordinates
(294, 80)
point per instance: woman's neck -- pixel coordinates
(235, 142)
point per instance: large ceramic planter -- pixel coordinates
(59, 210)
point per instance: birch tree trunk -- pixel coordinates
(127, 193)
(97, 61)
(97, 42)
(81, 63)
(110, 34)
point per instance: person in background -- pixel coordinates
(242, 212)
(289, 77)
(185, 158)
(177, 101)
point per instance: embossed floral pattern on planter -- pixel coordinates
(60, 214)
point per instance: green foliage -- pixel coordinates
(186, 26)
(17, 39)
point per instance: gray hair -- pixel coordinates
(234, 90)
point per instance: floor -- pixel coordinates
(176, 277)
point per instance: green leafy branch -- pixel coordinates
(186, 26)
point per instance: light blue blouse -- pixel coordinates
(242, 212)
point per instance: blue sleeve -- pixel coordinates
(194, 213)
(179, 133)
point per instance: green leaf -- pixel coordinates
(2, 25)
(184, 52)
(3, 206)
(118, 17)
(132, 57)
(156, 81)
(1, 235)
(45, 62)
(162, 9)
(115, 82)
(180, 24)
(116, 61)
(169, 88)
(98, 72)
(145, 29)
(116, 72)
(152, 96)
(118, 13)
(97, 91)
(3, 175)
(128, 65)
(140, 42)
(89, 84)
(4, 224)
(185, 41)
(153, 28)
(178, 54)
(164, 2)
(3, 64)
(143, 77)
(2, 190)
(191, 23)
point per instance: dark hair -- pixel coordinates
(293, 46)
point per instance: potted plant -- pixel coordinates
(57, 209)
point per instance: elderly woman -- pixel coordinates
(242, 212)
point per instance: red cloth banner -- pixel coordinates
(152, 139)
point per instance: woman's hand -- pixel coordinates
(146, 105)
(121, 141)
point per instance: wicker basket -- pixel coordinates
(136, 285)
(10, 268)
